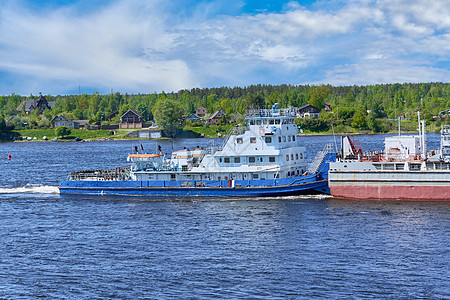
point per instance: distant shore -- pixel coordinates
(121, 137)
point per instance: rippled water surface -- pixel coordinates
(55, 246)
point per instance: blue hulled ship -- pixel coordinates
(261, 158)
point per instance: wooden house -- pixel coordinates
(308, 111)
(215, 118)
(200, 111)
(131, 119)
(40, 104)
(194, 117)
(61, 120)
(112, 115)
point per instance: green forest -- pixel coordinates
(368, 108)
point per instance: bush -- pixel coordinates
(314, 125)
(62, 131)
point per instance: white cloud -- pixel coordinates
(135, 46)
(106, 49)
(376, 71)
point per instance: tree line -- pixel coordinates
(357, 106)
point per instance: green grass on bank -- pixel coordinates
(80, 133)
(211, 131)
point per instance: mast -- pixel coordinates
(424, 141)
(420, 133)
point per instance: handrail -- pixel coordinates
(320, 156)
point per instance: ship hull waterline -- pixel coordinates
(391, 191)
(399, 193)
(316, 187)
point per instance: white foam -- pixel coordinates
(31, 188)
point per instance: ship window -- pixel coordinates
(271, 122)
(279, 139)
(237, 160)
(301, 155)
(226, 160)
(292, 156)
(172, 176)
(252, 140)
(284, 139)
(287, 157)
(184, 168)
(258, 122)
(277, 121)
(289, 173)
(296, 156)
(261, 159)
(251, 159)
(271, 158)
(289, 138)
(268, 139)
(293, 138)
(239, 140)
(276, 175)
(255, 176)
(220, 159)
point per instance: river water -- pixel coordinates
(66, 247)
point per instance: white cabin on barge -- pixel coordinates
(265, 148)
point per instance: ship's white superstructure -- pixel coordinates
(266, 147)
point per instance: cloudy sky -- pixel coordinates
(145, 46)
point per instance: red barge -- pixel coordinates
(405, 171)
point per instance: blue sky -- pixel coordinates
(135, 46)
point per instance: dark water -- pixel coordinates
(60, 247)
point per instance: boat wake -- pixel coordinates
(31, 189)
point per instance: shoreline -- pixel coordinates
(107, 139)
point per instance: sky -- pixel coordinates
(62, 47)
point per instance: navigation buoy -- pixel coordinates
(9, 156)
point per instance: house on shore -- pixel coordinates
(193, 118)
(131, 119)
(112, 115)
(40, 104)
(308, 111)
(215, 118)
(82, 124)
(200, 111)
(58, 121)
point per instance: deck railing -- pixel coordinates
(102, 175)
(320, 156)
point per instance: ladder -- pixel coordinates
(320, 156)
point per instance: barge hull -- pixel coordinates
(430, 185)
(391, 192)
(68, 187)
